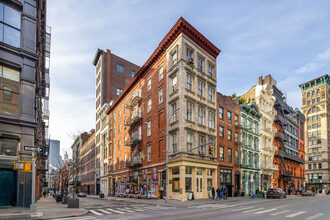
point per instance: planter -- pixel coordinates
(261, 195)
(58, 197)
(73, 203)
(65, 200)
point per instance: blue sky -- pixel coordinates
(287, 39)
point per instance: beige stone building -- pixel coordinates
(263, 95)
(315, 107)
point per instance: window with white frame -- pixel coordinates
(190, 136)
(119, 145)
(201, 86)
(189, 82)
(119, 128)
(210, 70)
(211, 119)
(174, 58)
(189, 53)
(125, 161)
(149, 105)
(174, 83)
(174, 143)
(190, 107)
(200, 63)
(149, 84)
(174, 112)
(148, 128)
(160, 96)
(160, 73)
(201, 142)
(201, 115)
(149, 152)
(211, 93)
(119, 113)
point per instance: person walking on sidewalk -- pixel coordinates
(225, 194)
(218, 194)
(213, 193)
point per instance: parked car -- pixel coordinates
(81, 194)
(328, 193)
(275, 193)
(308, 193)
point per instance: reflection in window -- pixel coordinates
(8, 147)
(9, 91)
(10, 25)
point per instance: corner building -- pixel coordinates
(228, 140)
(174, 92)
(315, 106)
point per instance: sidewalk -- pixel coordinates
(47, 208)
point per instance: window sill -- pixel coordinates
(201, 97)
(173, 123)
(173, 93)
(191, 122)
(189, 91)
(202, 126)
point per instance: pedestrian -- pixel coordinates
(218, 193)
(213, 193)
(221, 195)
(225, 194)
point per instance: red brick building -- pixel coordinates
(228, 138)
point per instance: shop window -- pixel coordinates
(199, 171)
(8, 147)
(188, 170)
(188, 184)
(175, 171)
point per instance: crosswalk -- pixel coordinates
(130, 209)
(273, 211)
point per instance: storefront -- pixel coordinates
(226, 180)
(250, 181)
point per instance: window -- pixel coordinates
(201, 142)
(318, 99)
(318, 117)
(236, 157)
(149, 152)
(188, 184)
(211, 93)
(160, 96)
(229, 116)
(200, 88)
(189, 140)
(160, 73)
(174, 143)
(308, 102)
(125, 161)
(174, 58)
(236, 119)
(8, 147)
(229, 135)
(174, 83)
(149, 128)
(119, 91)
(236, 137)
(309, 166)
(318, 91)
(309, 94)
(314, 166)
(149, 105)
(9, 88)
(133, 73)
(118, 163)
(221, 154)
(313, 93)
(125, 141)
(318, 133)
(220, 113)
(188, 170)
(313, 101)
(189, 82)
(174, 112)
(200, 64)
(175, 171)
(201, 115)
(119, 128)
(320, 166)
(190, 111)
(229, 155)
(119, 145)
(189, 53)
(210, 71)
(120, 68)
(10, 26)
(221, 131)
(149, 84)
(211, 119)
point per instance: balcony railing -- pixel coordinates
(136, 161)
(135, 118)
(290, 157)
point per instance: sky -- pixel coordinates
(285, 38)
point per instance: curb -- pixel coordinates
(21, 215)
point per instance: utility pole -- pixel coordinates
(33, 207)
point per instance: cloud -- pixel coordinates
(309, 67)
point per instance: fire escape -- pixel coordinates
(134, 124)
(42, 91)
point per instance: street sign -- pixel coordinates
(31, 148)
(23, 166)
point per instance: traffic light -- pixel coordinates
(211, 150)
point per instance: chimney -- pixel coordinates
(260, 80)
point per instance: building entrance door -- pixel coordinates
(7, 188)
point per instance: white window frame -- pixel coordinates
(149, 84)
(211, 119)
(211, 93)
(149, 105)
(149, 128)
(190, 110)
(174, 83)
(201, 115)
(160, 96)
(201, 86)
(189, 82)
(160, 72)
(149, 152)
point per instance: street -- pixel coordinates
(294, 207)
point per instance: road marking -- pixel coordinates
(95, 212)
(295, 214)
(139, 210)
(116, 211)
(278, 213)
(315, 216)
(101, 210)
(78, 218)
(151, 208)
(281, 206)
(269, 210)
(241, 209)
(252, 210)
(128, 209)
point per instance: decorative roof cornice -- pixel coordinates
(181, 26)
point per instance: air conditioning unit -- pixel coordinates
(191, 60)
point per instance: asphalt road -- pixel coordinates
(308, 208)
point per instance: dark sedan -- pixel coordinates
(308, 193)
(275, 193)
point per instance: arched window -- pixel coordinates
(318, 91)
(313, 93)
(309, 94)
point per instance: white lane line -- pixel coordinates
(101, 210)
(78, 218)
(295, 214)
(116, 211)
(151, 208)
(315, 216)
(241, 209)
(128, 209)
(268, 210)
(138, 210)
(278, 213)
(95, 212)
(252, 210)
